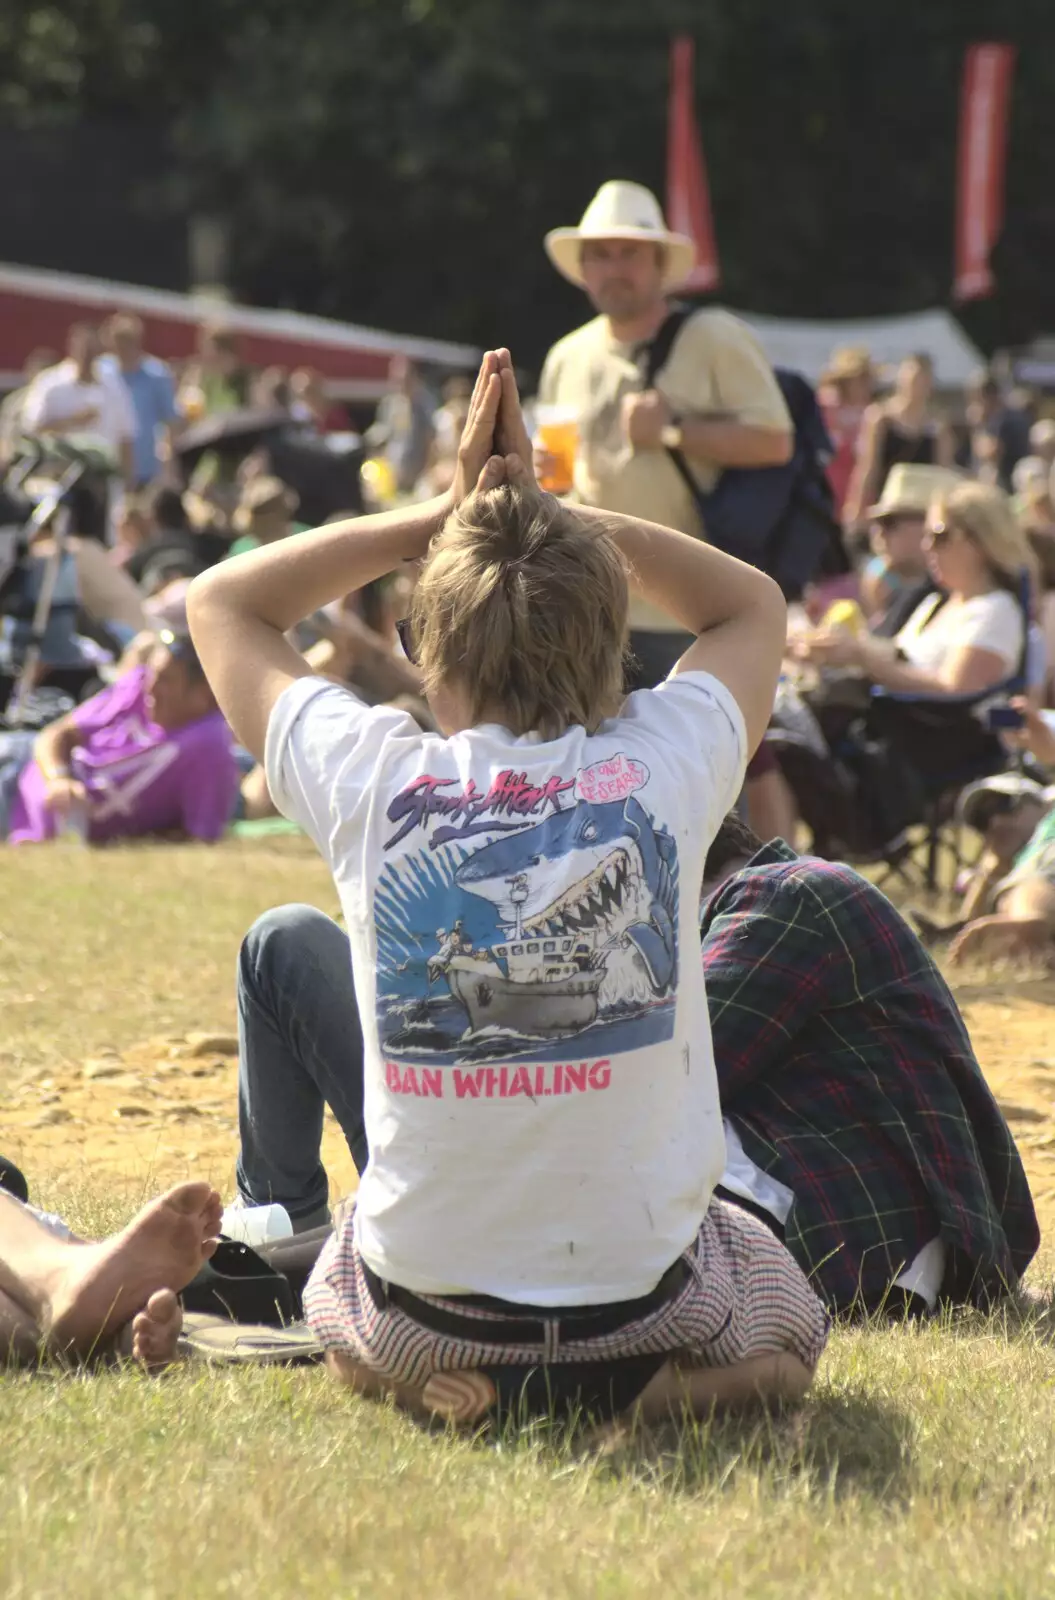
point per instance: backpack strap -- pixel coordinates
(651, 357)
(655, 352)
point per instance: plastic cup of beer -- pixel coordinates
(192, 403)
(557, 432)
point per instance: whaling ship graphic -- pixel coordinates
(529, 985)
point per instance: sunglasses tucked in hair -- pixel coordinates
(180, 647)
(405, 630)
(523, 605)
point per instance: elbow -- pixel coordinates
(770, 598)
(200, 601)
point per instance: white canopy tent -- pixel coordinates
(806, 346)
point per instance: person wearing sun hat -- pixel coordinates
(896, 578)
(714, 398)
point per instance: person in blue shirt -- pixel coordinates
(149, 383)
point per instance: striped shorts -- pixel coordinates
(743, 1296)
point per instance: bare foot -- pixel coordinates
(156, 1330)
(105, 1284)
(458, 1397)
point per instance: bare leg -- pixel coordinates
(1024, 925)
(760, 1380)
(987, 874)
(464, 1397)
(78, 1294)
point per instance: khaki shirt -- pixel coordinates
(716, 364)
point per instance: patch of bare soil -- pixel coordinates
(155, 1113)
(167, 1108)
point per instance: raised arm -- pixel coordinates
(737, 613)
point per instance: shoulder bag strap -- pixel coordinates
(652, 357)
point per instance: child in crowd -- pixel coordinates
(541, 1109)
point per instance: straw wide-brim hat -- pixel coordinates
(621, 210)
(909, 490)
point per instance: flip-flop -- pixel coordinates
(224, 1343)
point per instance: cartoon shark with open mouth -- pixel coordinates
(596, 883)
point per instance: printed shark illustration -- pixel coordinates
(598, 876)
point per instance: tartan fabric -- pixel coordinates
(745, 1296)
(846, 1068)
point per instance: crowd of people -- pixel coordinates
(639, 1098)
(139, 531)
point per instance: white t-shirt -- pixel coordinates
(101, 408)
(541, 1102)
(985, 622)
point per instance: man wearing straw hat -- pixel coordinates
(714, 398)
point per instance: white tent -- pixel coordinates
(806, 346)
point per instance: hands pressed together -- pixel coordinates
(495, 446)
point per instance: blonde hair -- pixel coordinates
(524, 606)
(984, 513)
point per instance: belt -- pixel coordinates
(519, 1324)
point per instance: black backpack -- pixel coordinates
(779, 519)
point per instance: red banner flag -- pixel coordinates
(984, 102)
(688, 197)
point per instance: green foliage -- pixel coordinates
(399, 160)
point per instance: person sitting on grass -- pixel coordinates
(148, 755)
(858, 1124)
(1009, 909)
(541, 1115)
(74, 1299)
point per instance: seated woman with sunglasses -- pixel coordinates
(540, 1107)
(965, 636)
(968, 635)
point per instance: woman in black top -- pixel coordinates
(901, 428)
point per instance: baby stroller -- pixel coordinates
(43, 672)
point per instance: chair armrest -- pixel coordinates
(1006, 687)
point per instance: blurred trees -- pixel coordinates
(397, 161)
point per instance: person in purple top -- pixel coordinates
(151, 754)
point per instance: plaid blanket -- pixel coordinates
(846, 1068)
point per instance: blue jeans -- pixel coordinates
(300, 1049)
(16, 752)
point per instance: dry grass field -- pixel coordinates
(920, 1464)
